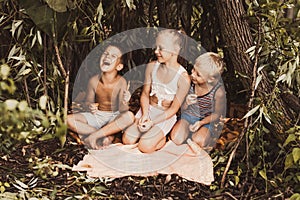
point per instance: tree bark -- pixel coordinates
(236, 38)
(162, 16)
(209, 27)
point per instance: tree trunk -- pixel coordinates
(162, 15)
(236, 38)
(209, 27)
(185, 15)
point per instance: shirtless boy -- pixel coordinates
(108, 112)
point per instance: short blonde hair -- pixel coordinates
(211, 63)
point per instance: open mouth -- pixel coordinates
(106, 63)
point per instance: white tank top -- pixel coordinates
(164, 91)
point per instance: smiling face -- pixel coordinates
(199, 76)
(111, 59)
(166, 47)
(207, 69)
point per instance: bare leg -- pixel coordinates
(131, 134)
(117, 125)
(180, 132)
(202, 137)
(152, 140)
(78, 123)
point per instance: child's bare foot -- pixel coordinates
(107, 141)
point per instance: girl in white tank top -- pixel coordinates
(155, 120)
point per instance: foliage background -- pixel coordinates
(43, 44)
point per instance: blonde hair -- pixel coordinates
(175, 35)
(211, 63)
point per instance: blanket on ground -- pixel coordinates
(118, 160)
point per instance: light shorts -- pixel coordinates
(100, 118)
(166, 125)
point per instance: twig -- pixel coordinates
(45, 67)
(67, 78)
(229, 194)
(250, 103)
(26, 92)
(60, 64)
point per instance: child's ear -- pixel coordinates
(120, 67)
(211, 79)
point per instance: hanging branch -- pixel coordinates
(247, 122)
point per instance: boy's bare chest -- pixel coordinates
(106, 91)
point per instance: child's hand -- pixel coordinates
(195, 127)
(126, 94)
(93, 107)
(144, 124)
(191, 99)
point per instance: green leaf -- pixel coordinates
(4, 71)
(43, 102)
(99, 189)
(258, 81)
(263, 174)
(58, 5)
(289, 161)
(290, 138)
(39, 37)
(46, 137)
(23, 106)
(250, 49)
(25, 72)
(296, 154)
(251, 112)
(281, 78)
(11, 104)
(295, 196)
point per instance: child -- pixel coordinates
(205, 102)
(105, 99)
(162, 95)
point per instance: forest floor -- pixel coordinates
(43, 169)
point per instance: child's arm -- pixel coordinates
(123, 105)
(183, 88)
(220, 105)
(145, 96)
(90, 94)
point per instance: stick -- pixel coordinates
(246, 123)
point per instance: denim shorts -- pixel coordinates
(192, 119)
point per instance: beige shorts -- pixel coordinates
(100, 118)
(154, 112)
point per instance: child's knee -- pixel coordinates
(127, 139)
(128, 118)
(177, 140)
(146, 147)
(200, 140)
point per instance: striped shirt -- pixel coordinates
(205, 103)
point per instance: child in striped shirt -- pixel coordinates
(205, 103)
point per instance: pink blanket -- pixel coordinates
(118, 160)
